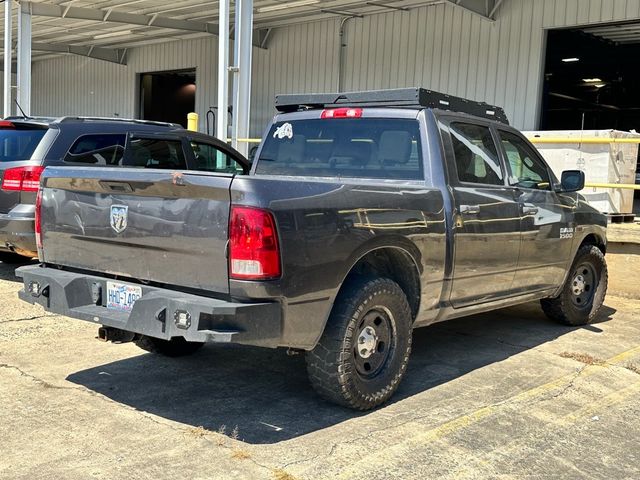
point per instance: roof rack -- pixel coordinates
(118, 119)
(400, 97)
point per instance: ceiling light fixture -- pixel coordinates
(119, 33)
(600, 85)
(570, 59)
(592, 80)
(285, 5)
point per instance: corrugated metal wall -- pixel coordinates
(73, 85)
(441, 47)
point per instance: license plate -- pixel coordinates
(121, 296)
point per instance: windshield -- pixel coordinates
(358, 148)
(19, 144)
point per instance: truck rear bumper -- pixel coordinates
(160, 313)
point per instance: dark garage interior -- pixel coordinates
(591, 78)
(168, 96)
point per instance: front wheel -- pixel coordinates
(176, 347)
(583, 293)
(364, 350)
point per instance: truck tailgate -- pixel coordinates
(150, 225)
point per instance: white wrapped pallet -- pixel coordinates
(605, 156)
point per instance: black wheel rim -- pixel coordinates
(374, 342)
(584, 282)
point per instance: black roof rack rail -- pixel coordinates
(399, 97)
(118, 119)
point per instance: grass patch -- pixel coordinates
(633, 368)
(240, 454)
(583, 358)
(279, 474)
(197, 432)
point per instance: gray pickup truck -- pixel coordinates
(364, 215)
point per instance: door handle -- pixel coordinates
(469, 209)
(117, 187)
(529, 209)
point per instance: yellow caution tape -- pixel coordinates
(586, 140)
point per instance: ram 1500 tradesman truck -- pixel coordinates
(364, 215)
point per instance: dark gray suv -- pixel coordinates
(28, 145)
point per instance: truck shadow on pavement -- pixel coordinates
(8, 271)
(266, 396)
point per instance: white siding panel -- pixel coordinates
(441, 47)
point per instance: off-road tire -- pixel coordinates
(10, 258)
(562, 308)
(176, 347)
(332, 364)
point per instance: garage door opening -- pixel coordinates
(591, 78)
(168, 96)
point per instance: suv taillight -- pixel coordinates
(254, 253)
(24, 179)
(38, 220)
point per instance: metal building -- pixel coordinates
(89, 55)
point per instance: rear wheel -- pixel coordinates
(364, 350)
(11, 258)
(176, 347)
(583, 293)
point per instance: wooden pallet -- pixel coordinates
(621, 217)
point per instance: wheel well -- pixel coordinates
(595, 240)
(395, 264)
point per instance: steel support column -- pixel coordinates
(243, 46)
(24, 59)
(7, 58)
(223, 70)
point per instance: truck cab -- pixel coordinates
(364, 216)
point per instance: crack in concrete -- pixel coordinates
(35, 317)
(177, 429)
(91, 393)
(35, 379)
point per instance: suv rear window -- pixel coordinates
(98, 149)
(19, 143)
(357, 148)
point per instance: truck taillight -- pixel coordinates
(38, 219)
(341, 113)
(24, 179)
(254, 253)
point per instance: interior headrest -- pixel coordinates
(292, 150)
(394, 147)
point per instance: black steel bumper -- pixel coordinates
(160, 313)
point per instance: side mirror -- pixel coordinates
(572, 181)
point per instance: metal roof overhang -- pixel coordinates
(104, 29)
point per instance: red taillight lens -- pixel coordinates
(38, 221)
(254, 253)
(25, 179)
(342, 113)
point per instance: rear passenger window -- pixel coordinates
(103, 149)
(476, 154)
(209, 159)
(156, 153)
(383, 148)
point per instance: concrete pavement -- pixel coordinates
(507, 394)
